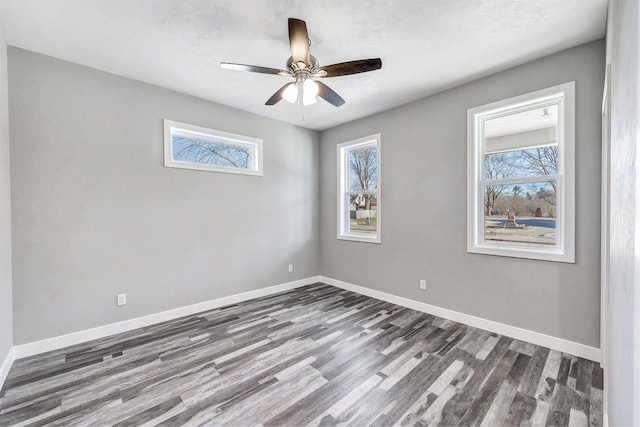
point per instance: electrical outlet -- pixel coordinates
(423, 284)
(122, 299)
(290, 268)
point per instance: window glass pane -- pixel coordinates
(362, 164)
(532, 127)
(200, 150)
(538, 161)
(521, 213)
(363, 209)
(359, 214)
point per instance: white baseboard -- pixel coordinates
(37, 347)
(6, 365)
(560, 344)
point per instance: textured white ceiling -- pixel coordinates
(426, 46)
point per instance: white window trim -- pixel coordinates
(564, 251)
(343, 171)
(255, 143)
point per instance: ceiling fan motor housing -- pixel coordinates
(302, 71)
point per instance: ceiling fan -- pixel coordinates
(305, 68)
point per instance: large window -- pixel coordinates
(194, 147)
(359, 190)
(521, 176)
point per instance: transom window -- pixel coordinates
(359, 216)
(193, 147)
(521, 176)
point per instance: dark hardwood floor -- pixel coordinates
(316, 355)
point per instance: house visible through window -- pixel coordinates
(521, 182)
(193, 147)
(359, 216)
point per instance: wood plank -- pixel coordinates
(499, 409)
(488, 392)
(531, 377)
(521, 410)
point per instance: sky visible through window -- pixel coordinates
(522, 163)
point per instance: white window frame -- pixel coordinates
(255, 144)
(564, 250)
(343, 203)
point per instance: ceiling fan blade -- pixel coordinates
(276, 97)
(351, 67)
(329, 95)
(253, 68)
(299, 41)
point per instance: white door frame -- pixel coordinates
(605, 256)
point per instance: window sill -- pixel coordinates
(554, 255)
(359, 238)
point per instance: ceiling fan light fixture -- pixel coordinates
(309, 92)
(308, 99)
(290, 94)
(311, 87)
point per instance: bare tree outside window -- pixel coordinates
(190, 149)
(363, 164)
(540, 161)
(496, 166)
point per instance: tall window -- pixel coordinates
(521, 190)
(193, 147)
(359, 190)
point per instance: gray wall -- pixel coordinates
(424, 170)
(6, 317)
(622, 389)
(96, 213)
